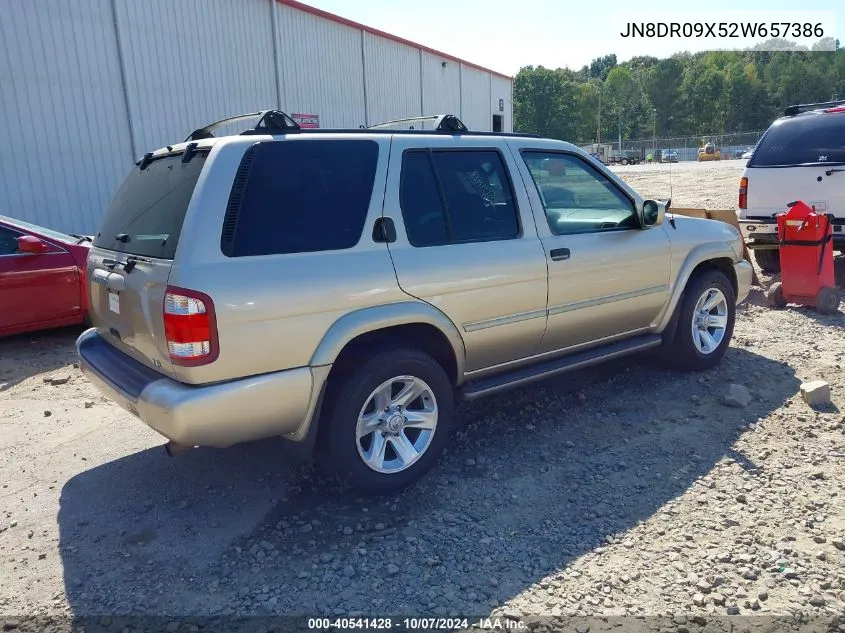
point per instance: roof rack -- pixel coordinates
(269, 122)
(806, 107)
(442, 123)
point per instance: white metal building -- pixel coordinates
(88, 86)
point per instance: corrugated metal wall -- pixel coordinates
(441, 84)
(193, 62)
(502, 88)
(321, 68)
(392, 78)
(64, 134)
(88, 86)
(476, 113)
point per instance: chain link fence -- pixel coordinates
(730, 145)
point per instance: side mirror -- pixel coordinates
(31, 244)
(653, 213)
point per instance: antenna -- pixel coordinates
(670, 179)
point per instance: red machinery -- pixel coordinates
(806, 260)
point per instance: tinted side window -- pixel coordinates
(457, 196)
(576, 197)
(419, 196)
(803, 140)
(8, 242)
(301, 196)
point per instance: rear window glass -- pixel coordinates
(145, 217)
(815, 139)
(299, 197)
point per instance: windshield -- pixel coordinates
(145, 217)
(802, 140)
(56, 235)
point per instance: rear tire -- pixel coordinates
(767, 259)
(378, 441)
(774, 296)
(705, 323)
(827, 301)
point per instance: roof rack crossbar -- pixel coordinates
(272, 121)
(805, 107)
(441, 122)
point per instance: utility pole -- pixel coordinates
(653, 130)
(620, 134)
(598, 125)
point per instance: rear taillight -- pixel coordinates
(743, 193)
(190, 327)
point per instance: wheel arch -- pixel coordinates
(713, 256)
(412, 323)
(427, 328)
(353, 337)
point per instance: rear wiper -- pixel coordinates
(81, 238)
(830, 172)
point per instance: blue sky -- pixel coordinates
(507, 34)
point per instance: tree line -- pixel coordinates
(715, 92)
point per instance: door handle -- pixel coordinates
(558, 254)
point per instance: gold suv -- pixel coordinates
(344, 288)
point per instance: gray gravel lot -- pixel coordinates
(626, 490)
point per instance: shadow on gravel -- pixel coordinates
(757, 297)
(536, 479)
(25, 355)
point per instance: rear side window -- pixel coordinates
(145, 216)
(815, 139)
(450, 196)
(300, 197)
(422, 207)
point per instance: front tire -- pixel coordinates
(705, 323)
(390, 421)
(767, 259)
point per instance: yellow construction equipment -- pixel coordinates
(709, 152)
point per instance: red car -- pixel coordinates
(42, 277)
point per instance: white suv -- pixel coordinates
(800, 157)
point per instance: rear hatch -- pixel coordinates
(799, 158)
(130, 261)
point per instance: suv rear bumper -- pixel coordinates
(759, 230)
(219, 415)
(766, 232)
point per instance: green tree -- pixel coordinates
(545, 102)
(662, 84)
(622, 97)
(700, 94)
(601, 67)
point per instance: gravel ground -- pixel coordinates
(708, 185)
(628, 490)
